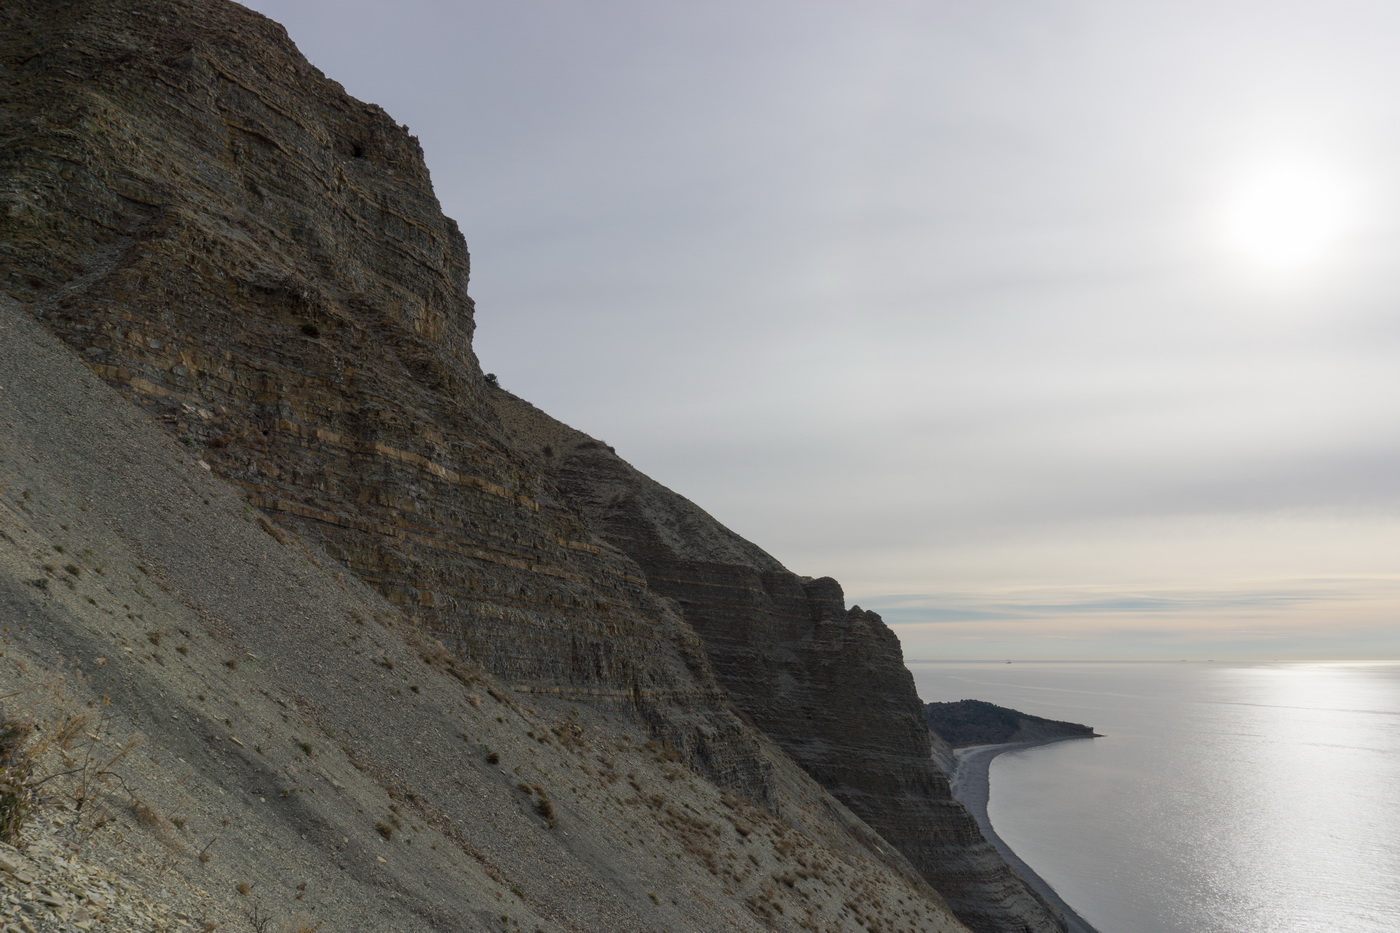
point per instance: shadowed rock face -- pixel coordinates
(336, 722)
(258, 260)
(827, 683)
(976, 722)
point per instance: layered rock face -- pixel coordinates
(311, 760)
(258, 259)
(827, 683)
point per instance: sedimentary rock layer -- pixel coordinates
(258, 259)
(311, 759)
(827, 683)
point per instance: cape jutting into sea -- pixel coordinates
(1222, 798)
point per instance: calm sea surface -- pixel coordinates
(1224, 797)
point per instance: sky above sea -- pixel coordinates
(1051, 329)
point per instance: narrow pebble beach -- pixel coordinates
(971, 784)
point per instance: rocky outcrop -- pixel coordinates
(827, 683)
(258, 260)
(965, 723)
(311, 760)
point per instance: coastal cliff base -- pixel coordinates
(971, 786)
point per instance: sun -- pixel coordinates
(1288, 215)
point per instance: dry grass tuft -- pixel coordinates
(17, 790)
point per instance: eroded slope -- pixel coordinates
(828, 684)
(258, 260)
(305, 740)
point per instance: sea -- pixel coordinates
(1222, 797)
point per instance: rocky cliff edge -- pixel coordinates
(256, 261)
(828, 684)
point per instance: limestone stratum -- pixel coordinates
(308, 625)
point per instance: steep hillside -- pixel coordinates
(257, 261)
(828, 684)
(309, 756)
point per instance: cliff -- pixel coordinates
(977, 722)
(256, 261)
(828, 684)
(242, 736)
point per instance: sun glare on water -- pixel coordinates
(1289, 216)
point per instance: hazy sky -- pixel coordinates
(1051, 329)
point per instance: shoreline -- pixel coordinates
(971, 787)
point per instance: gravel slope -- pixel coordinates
(309, 759)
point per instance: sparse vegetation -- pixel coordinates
(17, 792)
(259, 921)
(26, 750)
(543, 805)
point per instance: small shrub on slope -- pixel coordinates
(17, 792)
